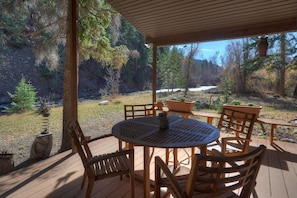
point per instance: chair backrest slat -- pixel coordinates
(138, 110)
(80, 141)
(225, 174)
(239, 119)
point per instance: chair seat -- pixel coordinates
(109, 165)
(229, 148)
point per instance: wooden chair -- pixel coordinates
(239, 122)
(136, 111)
(222, 176)
(102, 166)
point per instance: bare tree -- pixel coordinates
(234, 68)
(189, 62)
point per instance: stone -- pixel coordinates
(104, 102)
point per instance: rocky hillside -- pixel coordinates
(20, 62)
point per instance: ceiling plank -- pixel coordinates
(224, 34)
(183, 21)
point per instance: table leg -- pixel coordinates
(273, 126)
(146, 169)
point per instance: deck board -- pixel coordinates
(61, 175)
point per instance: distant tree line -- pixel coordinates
(274, 73)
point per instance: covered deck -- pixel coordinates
(61, 175)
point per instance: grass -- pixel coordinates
(20, 125)
(30, 123)
(91, 113)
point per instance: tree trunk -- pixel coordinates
(282, 74)
(70, 75)
(295, 92)
(187, 77)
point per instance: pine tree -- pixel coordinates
(24, 97)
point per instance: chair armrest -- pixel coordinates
(228, 139)
(239, 145)
(160, 165)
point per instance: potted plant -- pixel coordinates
(159, 105)
(182, 105)
(6, 162)
(42, 144)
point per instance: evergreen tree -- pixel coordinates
(170, 65)
(164, 68)
(24, 97)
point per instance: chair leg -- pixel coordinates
(132, 175)
(90, 188)
(152, 154)
(120, 145)
(83, 180)
(175, 158)
(167, 156)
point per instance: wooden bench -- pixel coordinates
(273, 124)
(210, 116)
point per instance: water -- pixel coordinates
(202, 88)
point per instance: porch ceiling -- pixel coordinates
(169, 22)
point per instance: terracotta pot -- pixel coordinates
(159, 105)
(174, 105)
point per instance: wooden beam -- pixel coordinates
(287, 25)
(154, 77)
(70, 95)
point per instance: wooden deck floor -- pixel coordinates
(60, 175)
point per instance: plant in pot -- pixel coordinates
(6, 162)
(180, 105)
(42, 144)
(159, 105)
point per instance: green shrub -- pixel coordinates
(24, 97)
(235, 102)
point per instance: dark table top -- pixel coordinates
(182, 132)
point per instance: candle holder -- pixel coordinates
(164, 123)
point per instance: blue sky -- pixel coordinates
(208, 49)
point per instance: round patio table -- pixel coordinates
(182, 133)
